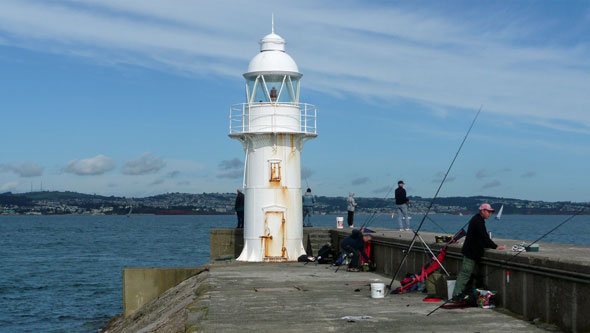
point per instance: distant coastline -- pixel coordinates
(73, 203)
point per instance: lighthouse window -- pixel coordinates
(275, 171)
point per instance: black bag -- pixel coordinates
(303, 258)
(325, 254)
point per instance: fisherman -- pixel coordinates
(240, 209)
(476, 241)
(351, 205)
(308, 202)
(402, 202)
(354, 246)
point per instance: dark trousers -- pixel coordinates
(240, 219)
(355, 257)
(350, 218)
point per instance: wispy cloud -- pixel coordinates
(24, 169)
(360, 181)
(493, 183)
(528, 174)
(9, 187)
(383, 189)
(439, 58)
(231, 169)
(145, 164)
(439, 177)
(484, 173)
(306, 172)
(173, 174)
(90, 166)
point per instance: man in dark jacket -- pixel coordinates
(355, 245)
(476, 241)
(401, 202)
(240, 209)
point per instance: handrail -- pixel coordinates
(240, 120)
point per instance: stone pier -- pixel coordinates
(537, 291)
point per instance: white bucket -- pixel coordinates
(340, 222)
(377, 290)
(450, 288)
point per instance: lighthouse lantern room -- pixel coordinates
(272, 126)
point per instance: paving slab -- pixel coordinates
(297, 297)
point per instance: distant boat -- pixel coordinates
(129, 213)
(499, 215)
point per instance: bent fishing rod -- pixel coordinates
(519, 252)
(407, 252)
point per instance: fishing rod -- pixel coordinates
(372, 217)
(518, 253)
(431, 220)
(407, 252)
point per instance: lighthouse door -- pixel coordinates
(274, 238)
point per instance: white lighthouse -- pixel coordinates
(272, 126)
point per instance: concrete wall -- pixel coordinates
(141, 285)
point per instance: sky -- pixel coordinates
(131, 98)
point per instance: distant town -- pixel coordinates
(62, 203)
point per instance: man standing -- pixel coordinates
(308, 202)
(350, 206)
(476, 241)
(240, 209)
(402, 202)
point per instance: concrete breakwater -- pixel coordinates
(549, 286)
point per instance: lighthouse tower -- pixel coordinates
(272, 126)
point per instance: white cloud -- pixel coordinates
(24, 169)
(145, 164)
(417, 54)
(90, 166)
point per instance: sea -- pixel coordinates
(64, 273)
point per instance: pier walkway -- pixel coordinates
(298, 297)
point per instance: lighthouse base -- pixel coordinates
(254, 251)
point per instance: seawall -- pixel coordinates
(548, 286)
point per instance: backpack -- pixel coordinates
(325, 254)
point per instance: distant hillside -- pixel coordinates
(69, 202)
(67, 195)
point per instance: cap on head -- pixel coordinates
(308, 190)
(487, 207)
(401, 182)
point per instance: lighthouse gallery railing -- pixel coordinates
(240, 119)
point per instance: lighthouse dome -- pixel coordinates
(272, 57)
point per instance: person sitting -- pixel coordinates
(354, 246)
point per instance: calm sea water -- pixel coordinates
(63, 273)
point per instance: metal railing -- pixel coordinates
(240, 120)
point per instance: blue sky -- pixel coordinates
(132, 98)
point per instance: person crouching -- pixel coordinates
(354, 246)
